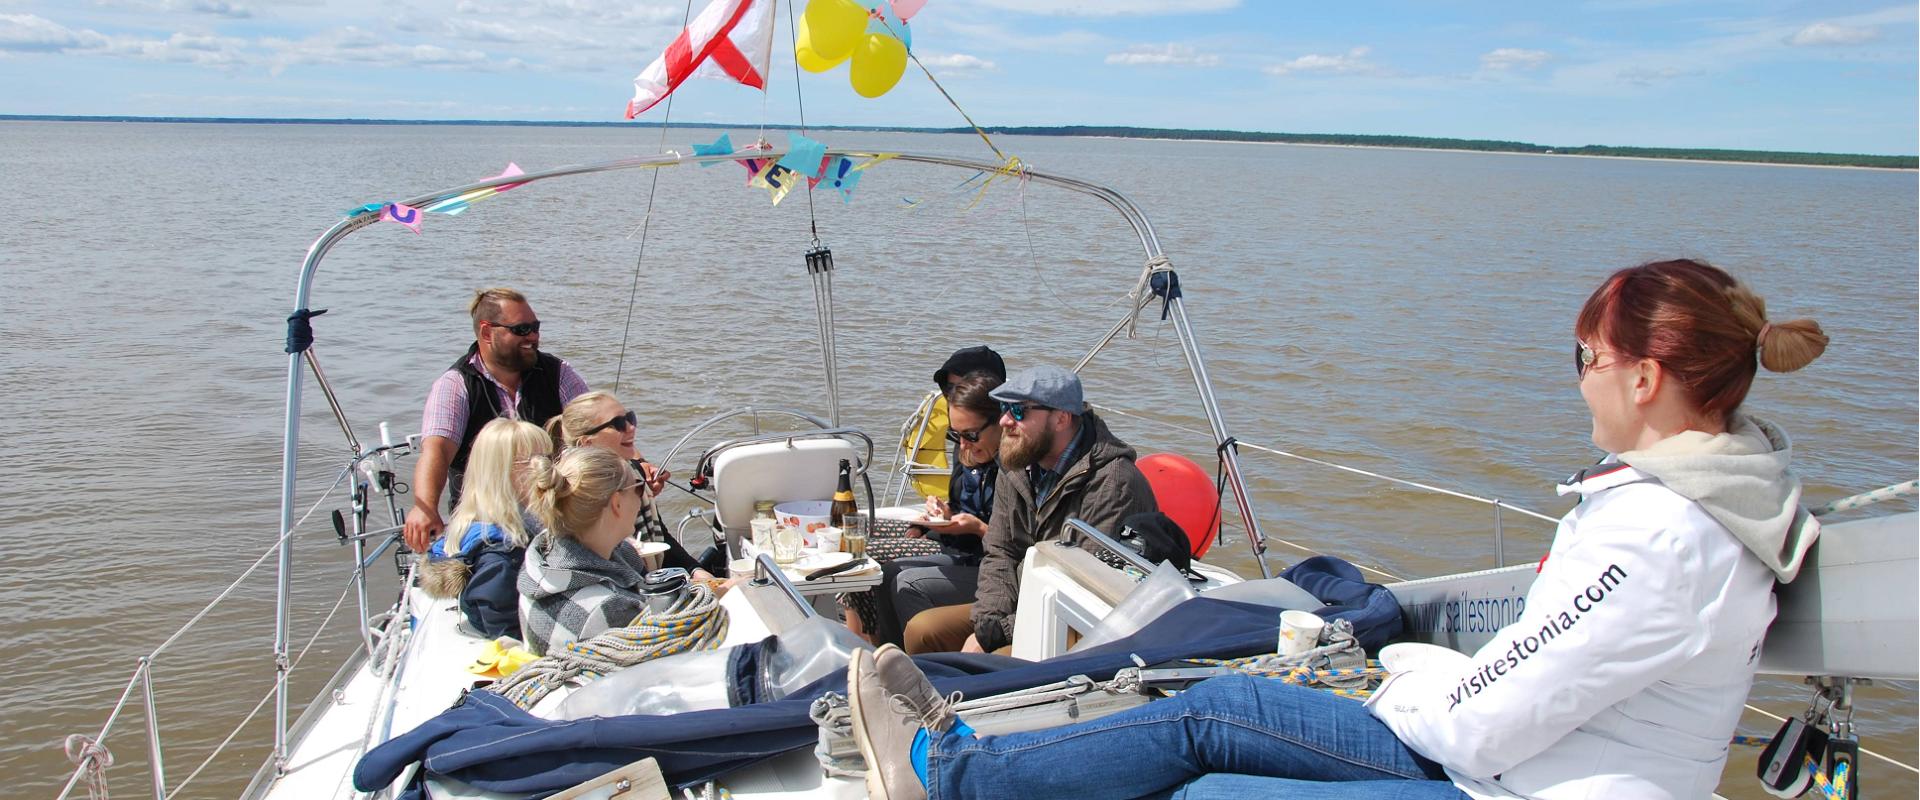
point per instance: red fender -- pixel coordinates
(1185, 493)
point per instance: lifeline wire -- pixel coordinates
(646, 221)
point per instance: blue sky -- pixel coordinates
(1836, 76)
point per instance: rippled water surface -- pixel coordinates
(1405, 312)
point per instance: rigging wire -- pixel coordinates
(943, 93)
(1033, 258)
(793, 35)
(646, 222)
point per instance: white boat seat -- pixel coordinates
(783, 470)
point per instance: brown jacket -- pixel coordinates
(1101, 486)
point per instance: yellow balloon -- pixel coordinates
(804, 53)
(877, 65)
(834, 27)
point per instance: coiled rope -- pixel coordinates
(1353, 682)
(696, 622)
(91, 758)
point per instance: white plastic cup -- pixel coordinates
(1299, 631)
(827, 539)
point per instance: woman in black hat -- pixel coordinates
(943, 550)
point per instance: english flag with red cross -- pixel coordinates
(731, 39)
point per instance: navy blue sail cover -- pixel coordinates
(489, 743)
(1372, 609)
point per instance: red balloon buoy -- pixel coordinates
(1185, 493)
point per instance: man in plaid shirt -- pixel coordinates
(503, 374)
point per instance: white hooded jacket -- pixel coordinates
(1628, 668)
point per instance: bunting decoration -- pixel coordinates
(807, 159)
(805, 156)
(776, 179)
(410, 216)
(404, 214)
(842, 176)
(459, 203)
(722, 146)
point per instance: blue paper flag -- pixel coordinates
(722, 146)
(843, 178)
(803, 155)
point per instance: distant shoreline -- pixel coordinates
(1563, 154)
(1122, 132)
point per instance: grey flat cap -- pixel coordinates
(1044, 385)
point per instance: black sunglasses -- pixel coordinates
(522, 329)
(972, 437)
(1018, 411)
(623, 423)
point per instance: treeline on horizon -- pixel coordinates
(1125, 132)
(1486, 145)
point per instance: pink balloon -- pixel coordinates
(905, 9)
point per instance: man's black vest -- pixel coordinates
(539, 401)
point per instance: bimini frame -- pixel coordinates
(1157, 279)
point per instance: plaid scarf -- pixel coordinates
(569, 593)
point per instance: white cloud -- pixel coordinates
(184, 48)
(221, 8)
(1352, 62)
(355, 46)
(1003, 38)
(598, 13)
(1827, 33)
(1514, 58)
(1648, 76)
(1110, 8)
(218, 8)
(33, 33)
(1170, 55)
(954, 63)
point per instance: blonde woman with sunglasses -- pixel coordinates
(598, 419)
(582, 575)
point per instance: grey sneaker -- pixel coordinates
(883, 728)
(904, 680)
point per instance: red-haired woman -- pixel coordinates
(1623, 677)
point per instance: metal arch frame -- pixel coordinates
(324, 244)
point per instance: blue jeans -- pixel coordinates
(1266, 738)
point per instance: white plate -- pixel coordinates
(902, 513)
(815, 561)
(650, 548)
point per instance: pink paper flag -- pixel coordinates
(511, 170)
(404, 214)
